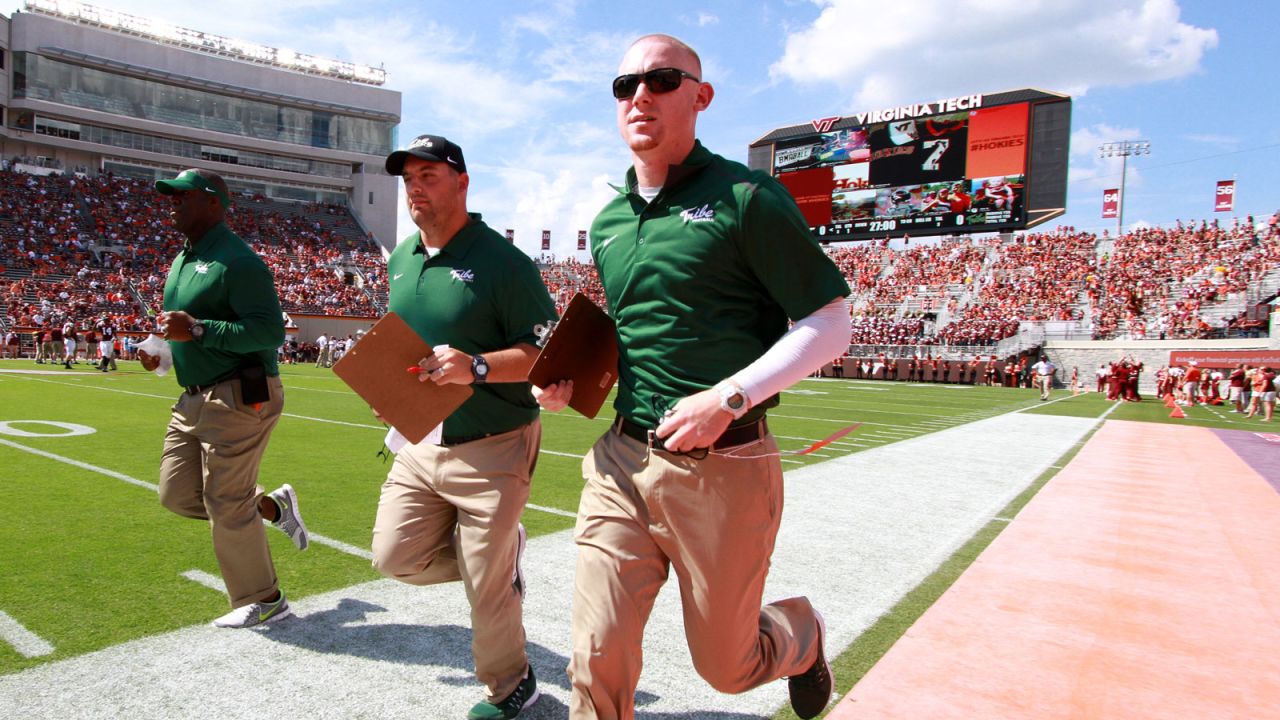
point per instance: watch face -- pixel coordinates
(736, 400)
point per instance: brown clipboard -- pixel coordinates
(375, 368)
(583, 347)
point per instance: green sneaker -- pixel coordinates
(290, 520)
(525, 694)
(255, 614)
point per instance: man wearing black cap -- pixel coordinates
(450, 508)
(223, 323)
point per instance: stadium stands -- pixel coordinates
(82, 246)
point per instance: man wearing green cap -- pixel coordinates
(223, 322)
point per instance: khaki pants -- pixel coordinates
(450, 513)
(1044, 382)
(209, 471)
(714, 520)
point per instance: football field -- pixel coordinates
(91, 560)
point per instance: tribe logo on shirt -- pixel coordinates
(702, 214)
(202, 268)
(463, 275)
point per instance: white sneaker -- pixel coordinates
(290, 520)
(255, 614)
(517, 580)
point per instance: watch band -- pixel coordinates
(479, 369)
(733, 399)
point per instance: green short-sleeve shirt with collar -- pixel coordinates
(702, 280)
(480, 293)
(222, 282)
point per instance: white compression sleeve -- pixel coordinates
(812, 342)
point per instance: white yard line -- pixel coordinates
(315, 537)
(82, 465)
(27, 643)
(551, 510)
(213, 582)
(560, 454)
(858, 532)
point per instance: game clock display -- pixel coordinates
(946, 172)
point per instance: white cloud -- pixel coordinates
(556, 182)
(446, 75)
(891, 53)
(584, 59)
(1087, 168)
(1223, 142)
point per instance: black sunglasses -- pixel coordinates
(660, 80)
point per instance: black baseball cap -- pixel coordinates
(428, 147)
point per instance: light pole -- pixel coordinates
(1124, 149)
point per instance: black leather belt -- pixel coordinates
(197, 389)
(733, 437)
(460, 439)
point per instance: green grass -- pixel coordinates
(90, 561)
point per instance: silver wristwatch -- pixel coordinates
(479, 369)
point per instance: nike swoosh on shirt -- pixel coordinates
(608, 240)
(398, 276)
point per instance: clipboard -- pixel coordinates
(582, 347)
(375, 369)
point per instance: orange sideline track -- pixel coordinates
(1143, 581)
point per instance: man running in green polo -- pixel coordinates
(703, 262)
(450, 508)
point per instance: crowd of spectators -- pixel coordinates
(1038, 276)
(568, 277)
(50, 226)
(1158, 279)
(76, 248)
(927, 270)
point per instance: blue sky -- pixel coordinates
(523, 87)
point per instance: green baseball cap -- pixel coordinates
(194, 179)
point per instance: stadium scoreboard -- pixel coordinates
(977, 163)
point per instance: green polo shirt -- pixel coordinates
(480, 293)
(702, 280)
(223, 283)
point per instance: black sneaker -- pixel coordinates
(811, 691)
(525, 694)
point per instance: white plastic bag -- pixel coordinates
(395, 442)
(157, 348)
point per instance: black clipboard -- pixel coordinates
(582, 347)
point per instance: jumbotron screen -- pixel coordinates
(961, 165)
